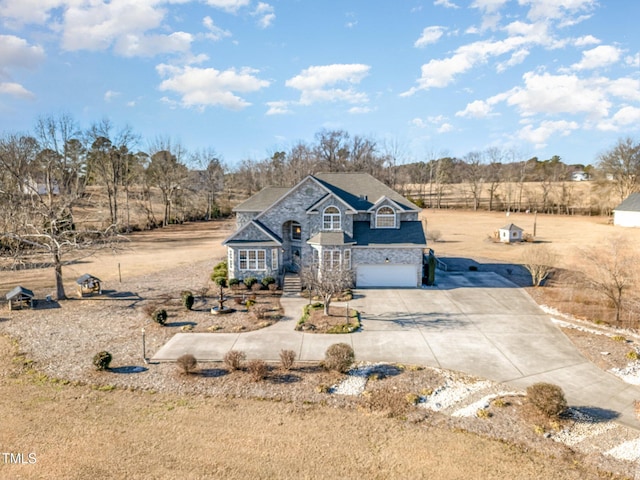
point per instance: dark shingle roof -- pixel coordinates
(630, 204)
(262, 200)
(360, 190)
(409, 233)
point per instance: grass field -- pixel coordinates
(78, 432)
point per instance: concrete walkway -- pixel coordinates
(474, 322)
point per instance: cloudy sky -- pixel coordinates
(246, 77)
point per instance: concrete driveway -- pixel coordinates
(473, 322)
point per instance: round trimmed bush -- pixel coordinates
(187, 363)
(159, 316)
(547, 398)
(102, 360)
(339, 357)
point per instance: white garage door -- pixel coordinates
(386, 275)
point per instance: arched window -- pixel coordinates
(385, 218)
(331, 218)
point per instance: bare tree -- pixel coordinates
(327, 280)
(38, 218)
(474, 176)
(610, 268)
(167, 172)
(622, 165)
(493, 172)
(539, 260)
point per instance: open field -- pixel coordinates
(83, 432)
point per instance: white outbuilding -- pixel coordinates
(510, 233)
(627, 214)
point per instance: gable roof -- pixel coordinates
(360, 190)
(512, 227)
(630, 204)
(262, 200)
(331, 238)
(269, 237)
(19, 291)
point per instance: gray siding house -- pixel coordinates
(335, 220)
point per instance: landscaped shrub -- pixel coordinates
(266, 281)
(339, 357)
(287, 359)
(260, 311)
(258, 370)
(220, 270)
(234, 282)
(159, 316)
(102, 360)
(390, 402)
(633, 355)
(249, 303)
(187, 363)
(219, 281)
(233, 359)
(547, 398)
(187, 299)
(249, 281)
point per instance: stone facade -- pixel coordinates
(304, 206)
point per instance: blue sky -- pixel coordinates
(247, 78)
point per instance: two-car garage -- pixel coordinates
(387, 275)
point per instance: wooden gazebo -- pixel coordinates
(88, 284)
(19, 297)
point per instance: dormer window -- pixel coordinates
(296, 231)
(331, 218)
(386, 218)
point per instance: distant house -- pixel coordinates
(627, 214)
(510, 233)
(579, 176)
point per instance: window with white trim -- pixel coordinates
(331, 218)
(330, 259)
(346, 259)
(296, 231)
(274, 259)
(385, 217)
(252, 259)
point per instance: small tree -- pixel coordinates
(287, 359)
(101, 360)
(539, 262)
(610, 269)
(187, 299)
(328, 280)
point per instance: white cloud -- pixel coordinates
(633, 60)
(429, 35)
(280, 107)
(15, 52)
(360, 110)
(557, 9)
(445, 4)
(215, 33)
(624, 117)
(475, 109)
(265, 13)
(625, 88)
(539, 136)
(586, 40)
(16, 13)
(554, 94)
(440, 122)
(489, 5)
(15, 90)
(314, 83)
(517, 58)
(202, 87)
(445, 127)
(600, 56)
(110, 95)
(149, 45)
(228, 5)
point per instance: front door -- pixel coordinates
(295, 258)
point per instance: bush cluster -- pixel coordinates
(287, 359)
(266, 281)
(249, 281)
(233, 359)
(233, 282)
(339, 357)
(159, 316)
(258, 370)
(101, 360)
(187, 363)
(549, 399)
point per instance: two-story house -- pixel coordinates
(336, 220)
